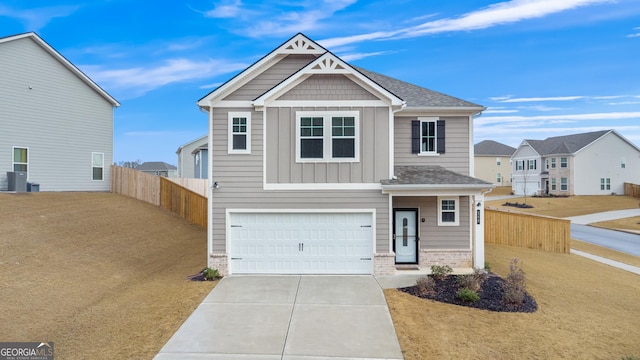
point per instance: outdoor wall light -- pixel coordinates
(478, 205)
(216, 185)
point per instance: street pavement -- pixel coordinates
(612, 239)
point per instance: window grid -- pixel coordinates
(563, 162)
(428, 136)
(564, 184)
(97, 166)
(20, 159)
(553, 184)
(553, 163)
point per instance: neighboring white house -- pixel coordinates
(159, 168)
(324, 168)
(594, 163)
(493, 162)
(193, 159)
(56, 124)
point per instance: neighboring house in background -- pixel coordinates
(56, 124)
(493, 162)
(193, 159)
(324, 168)
(594, 163)
(158, 168)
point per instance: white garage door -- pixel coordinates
(301, 243)
(531, 187)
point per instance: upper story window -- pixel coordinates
(239, 133)
(448, 211)
(532, 164)
(553, 163)
(519, 165)
(605, 183)
(327, 136)
(498, 177)
(20, 159)
(498, 161)
(97, 166)
(427, 136)
(623, 163)
(563, 162)
(546, 164)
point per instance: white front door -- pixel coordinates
(405, 232)
(301, 243)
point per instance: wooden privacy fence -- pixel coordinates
(161, 192)
(199, 186)
(527, 230)
(632, 190)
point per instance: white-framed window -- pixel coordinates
(553, 184)
(448, 211)
(498, 161)
(498, 178)
(546, 164)
(239, 133)
(531, 164)
(563, 162)
(564, 184)
(327, 136)
(97, 166)
(623, 163)
(519, 165)
(20, 159)
(428, 137)
(605, 183)
(553, 163)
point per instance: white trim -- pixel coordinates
(264, 150)
(323, 103)
(327, 137)
(390, 218)
(92, 166)
(456, 211)
(436, 192)
(210, 190)
(234, 104)
(230, 116)
(472, 167)
(323, 186)
(392, 144)
(13, 158)
(434, 120)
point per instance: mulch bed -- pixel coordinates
(518, 205)
(490, 294)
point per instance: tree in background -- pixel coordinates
(129, 164)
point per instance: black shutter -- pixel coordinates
(415, 136)
(440, 136)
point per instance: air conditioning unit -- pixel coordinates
(17, 181)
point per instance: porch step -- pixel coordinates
(407, 267)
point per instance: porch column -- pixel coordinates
(478, 228)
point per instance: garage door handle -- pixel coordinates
(365, 226)
(365, 258)
(236, 258)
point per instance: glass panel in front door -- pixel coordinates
(406, 236)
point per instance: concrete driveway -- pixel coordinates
(288, 318)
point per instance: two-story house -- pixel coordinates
(193, 159)
(56, 124)
(493, 162)
(593, 163)
(319, 167)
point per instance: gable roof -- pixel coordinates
(566, 144)
(66, 63)
(492, 148)
(401, 94)
(155, 166)
(201, 138)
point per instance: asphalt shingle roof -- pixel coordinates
(430, 175)
(567, 144)
(413, 95)
(155, 166)
(493, 148)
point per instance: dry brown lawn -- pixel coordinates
(570, 206)
(586, 310)
(631, 224)
(101, 275)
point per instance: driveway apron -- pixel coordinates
(288, 318)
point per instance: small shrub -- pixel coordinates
(515, 283)
(210, 274)
(426, 286)
(439, 272)
(468, 295)
(487, 266)
(473, 281)
(480, 275)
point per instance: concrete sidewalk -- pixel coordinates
(288, 318)
(603, 216)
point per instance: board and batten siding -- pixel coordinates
(240, 179)
(432, 236)
(328, 87)
(373, 164)
(48, 109)
(456, 156)
(270, 77)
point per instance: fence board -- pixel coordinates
(527, 230)
(199, 186)
(184, 202)
(632, 190)
(136, 184)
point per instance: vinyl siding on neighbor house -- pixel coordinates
(48, 109)
(186, 165)
(456, 156)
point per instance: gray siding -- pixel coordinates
(373, 165)
(456, 156)
(46, 108)
(241, 186)
(270, 77)
(186, 160)
(328, 87)
(433, 236)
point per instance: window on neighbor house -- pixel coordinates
(564, 184)
(623, 163)
(553, 163)
(553, 184)
(532, 165)
(499, 178)
(20, 159)
(546, 164)
(563, 162)
(519, 165)
(239, 133)
(448, 211)
(427, 136)
(97, 166)
(327, 136)
(498, 161)
(605, 183)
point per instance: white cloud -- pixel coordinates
(636, 34)
(226, 9)
(539, 99)
(539, 108)
(357, 56)
(493, 15)
(37, 18)
(499, 111)
(559, 118)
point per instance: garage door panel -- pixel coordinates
(285, 243)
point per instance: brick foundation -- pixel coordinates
(453, 258)
(384, 264)
(220, 262)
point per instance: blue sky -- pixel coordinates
(541, 67)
